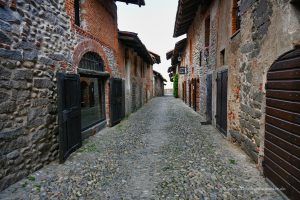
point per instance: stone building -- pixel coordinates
(61, 77)
(138, 62)
(158, 84)
(240, 66)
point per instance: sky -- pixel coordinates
(154, 24)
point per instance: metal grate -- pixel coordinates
(91, 61)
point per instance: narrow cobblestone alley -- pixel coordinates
(160, 152)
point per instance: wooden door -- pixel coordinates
(221, 116)
(69, 116)
(281, 163)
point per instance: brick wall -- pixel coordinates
(98, 21)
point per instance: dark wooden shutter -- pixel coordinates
(190, 93)
(69, 116)
(195, 94)
(117, 91)
(209, 98)
(219, 102)
(221, 115)
(77, 12)
(281, 163)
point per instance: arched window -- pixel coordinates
(92, 90)
(91, 61)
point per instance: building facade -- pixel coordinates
(138, 62)
(61, 79)
(240, 60)
(158, 84)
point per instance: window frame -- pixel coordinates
(96, 72)
(236, 16)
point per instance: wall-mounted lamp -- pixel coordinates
(179, 57)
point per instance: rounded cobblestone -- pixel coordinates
(160, 152)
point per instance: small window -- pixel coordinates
(126, 56)
(142, 69)
(191, 51)
(236, 16)
(77, 12)
(135, 65)
(207, 31)
(222, 57)
(200, 58)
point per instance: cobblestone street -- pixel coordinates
(160, 152)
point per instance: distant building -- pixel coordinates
(138, 62)
(159, 84)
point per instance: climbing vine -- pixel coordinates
(175, 86)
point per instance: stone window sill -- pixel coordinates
(235, 34)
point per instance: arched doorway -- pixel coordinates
(281, 162)
(92, 82)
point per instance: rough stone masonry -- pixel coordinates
(36, 41)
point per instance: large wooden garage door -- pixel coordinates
(282, 137)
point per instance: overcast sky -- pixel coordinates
(154, 24)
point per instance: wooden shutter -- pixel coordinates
(69, 116)
(117, 91)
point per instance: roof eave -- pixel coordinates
(185, 15)
(132, 40)
(136, 2)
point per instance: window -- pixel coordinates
(135, 65)
(77, 12)
(200, 58)
(92, 91)
(191, 52)
(236, 16)
(207, 31)
(91, 61)
(126, 52)
(142, 70)
(222, 57)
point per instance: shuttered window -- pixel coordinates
(77, 12)
(207, 31)
(236, 16)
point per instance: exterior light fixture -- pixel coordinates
(179, 57)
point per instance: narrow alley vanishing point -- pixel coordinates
(160, 152)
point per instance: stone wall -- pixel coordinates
(269, 29)
(37, 39)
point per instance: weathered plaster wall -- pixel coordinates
(138, 89)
